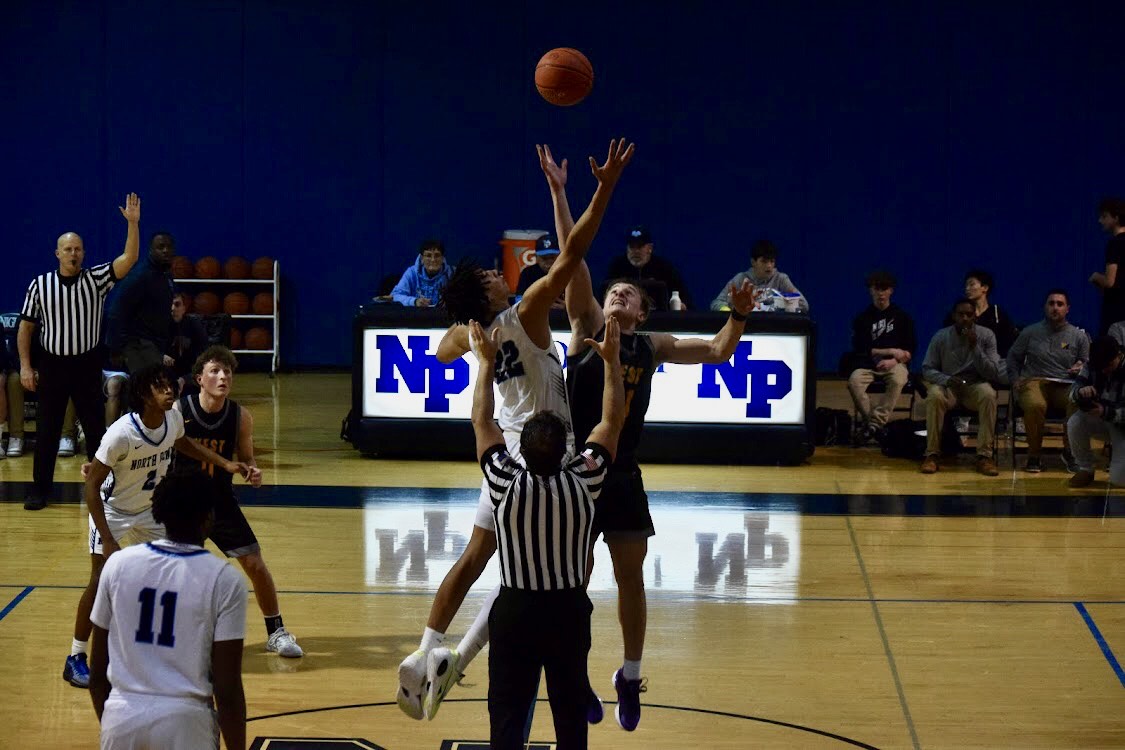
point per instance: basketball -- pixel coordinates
(207, 268)
(235, 338)
(182, 268)
(206, 303)
(262, 268)
(564, 76)
(258, 338)
(236, 303)
(236, 268)
(263, 303)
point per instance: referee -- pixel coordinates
(544, 509)
(66, 305)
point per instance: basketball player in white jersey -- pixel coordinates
(169, 620)
(529, 378)
(132, 458)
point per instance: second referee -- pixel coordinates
(544, 512)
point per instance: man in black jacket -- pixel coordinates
(883, 344)
(141, 313)
(656, 275)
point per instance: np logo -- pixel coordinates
(768, 380)
(420, 371)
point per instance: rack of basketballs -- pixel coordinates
(245, 291)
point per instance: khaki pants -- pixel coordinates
(894, 378)
(979, 397)
(1035, 397)
(15, 410)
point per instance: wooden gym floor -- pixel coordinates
(849, 602)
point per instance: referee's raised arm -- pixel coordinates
(132, 213)
(608, 430)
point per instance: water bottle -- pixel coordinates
(675, 304)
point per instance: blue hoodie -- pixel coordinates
(415, 283)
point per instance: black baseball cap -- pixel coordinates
(638, 236)
(547, 245)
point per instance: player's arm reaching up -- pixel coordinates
(535, 306)
(693, 351)
(606, 432)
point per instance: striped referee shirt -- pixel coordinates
(543, 523)
(68, 309)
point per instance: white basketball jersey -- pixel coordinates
(530, 379)
(138, 458)
(164, 605)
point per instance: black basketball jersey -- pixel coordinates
(218, 431)
(586, 379)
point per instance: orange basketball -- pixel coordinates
(236, 268)
(207, 268)
(206, 303)
(263, 303)
(257, 338)
(262, 268)
(236, 303)
(182, 268)
(564, 76)
(235, 338)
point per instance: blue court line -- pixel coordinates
(12, 604)
(883, 636)
(1107, 652)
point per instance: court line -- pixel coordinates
(686, 709)
(671, 596)
(12, 604)
(883, 636)
(1107, 652)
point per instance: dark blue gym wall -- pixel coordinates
(920, 137)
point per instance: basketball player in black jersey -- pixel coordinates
(219, 423)
(623, 518)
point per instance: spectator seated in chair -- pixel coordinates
(883, 345)
(960, 362)
(654, 273)
(421, 284)
(765, 278)
(1099, 395)
(978, 285)
(187, 340)
(1042, 365)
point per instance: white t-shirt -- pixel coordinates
(164, 605)
(138, 458)
(530, 379)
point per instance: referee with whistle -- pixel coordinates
(544, 512)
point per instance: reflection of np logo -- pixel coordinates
(420, 371)
(768, 380)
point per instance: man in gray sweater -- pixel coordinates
(1042, 365)
(765, 278)
(960, 362)
(1099, 393)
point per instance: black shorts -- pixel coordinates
(231, 532)
(622, 507)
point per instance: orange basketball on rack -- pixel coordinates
(564, 76)
(257, 338)
(235, 338)
(236, 268)
(206, 303)
(236, 303)
(182, 268)
(207, 268)
(262, 268)
(263, 303)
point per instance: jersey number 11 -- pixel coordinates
(167, 621)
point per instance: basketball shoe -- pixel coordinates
(628, 710)
(442, 671)
(76, 672)
(412, 684)
(282, 642)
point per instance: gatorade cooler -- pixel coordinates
(517, 251)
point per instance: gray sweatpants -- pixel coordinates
(1080, 428)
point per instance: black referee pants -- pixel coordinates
(61, 379)
(529, 631)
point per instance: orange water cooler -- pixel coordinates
(517, 250)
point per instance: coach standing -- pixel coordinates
(67, 307)
(544, 511)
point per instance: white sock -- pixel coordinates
(477, 635)
(631, 670)
(431, 639)
(77, 647)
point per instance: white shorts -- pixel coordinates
(108, 375)
(141, 722)
(126, 529)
